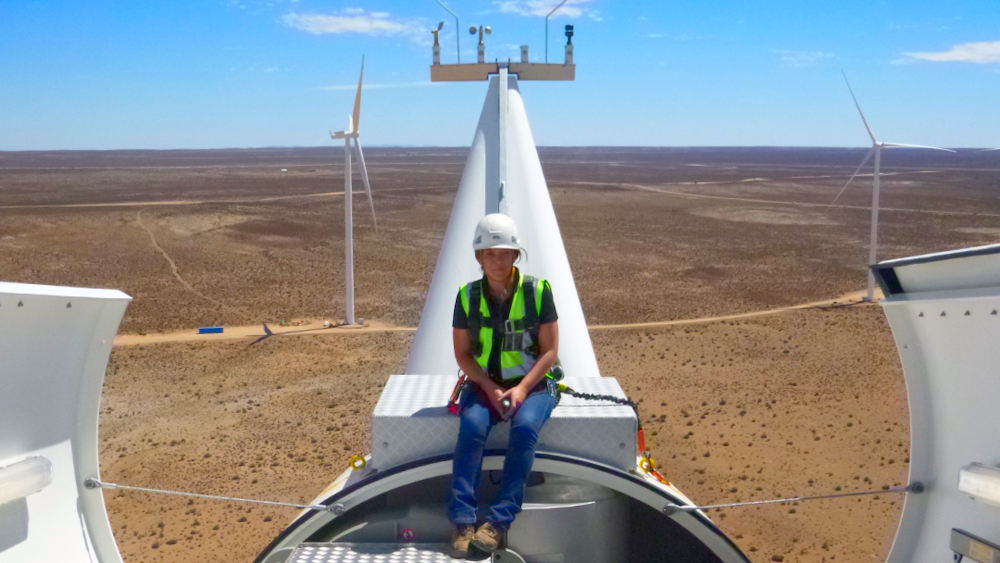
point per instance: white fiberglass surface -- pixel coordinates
(54, 348)
(433, 351)
(45, 526)
(60, 291)
(528, 202)
(957, 273)
(949, 344)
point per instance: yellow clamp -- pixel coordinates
(358, 463)
(648, 464)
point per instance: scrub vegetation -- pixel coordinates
(803, 402)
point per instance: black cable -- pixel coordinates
(839, 305)
(594, 397)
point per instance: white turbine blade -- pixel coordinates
(990, 150)
(857, 105)
(364, 176)
(860, 166)
(890, 145)
(357, 99)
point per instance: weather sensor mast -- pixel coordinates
(482, 70)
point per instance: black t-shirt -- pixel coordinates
(499, 312)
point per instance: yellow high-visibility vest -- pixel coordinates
(520, 340)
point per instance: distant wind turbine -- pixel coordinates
(353, 132)
(877, 149)
(990, 150)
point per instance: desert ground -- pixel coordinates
(802, 401)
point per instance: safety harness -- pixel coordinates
(513, 330)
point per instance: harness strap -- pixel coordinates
(531, 318)
(475, 317)
(530, 308)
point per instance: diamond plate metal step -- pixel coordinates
(371, 553)
(411, 422)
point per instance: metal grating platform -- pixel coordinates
(370, 553)
(411, 421)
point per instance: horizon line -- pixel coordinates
(392, 146)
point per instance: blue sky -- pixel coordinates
(252, 73)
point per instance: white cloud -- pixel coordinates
(375, 86)
(257, 6)
(803, 58)
(357, 21)
(982, 52)
(572, 9)
(254, 67)
(671, 37)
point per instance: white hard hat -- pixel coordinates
(496, 230)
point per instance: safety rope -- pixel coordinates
(911, 488)
(594, 397)
(96, 484)
(648, 464)
(641, 434)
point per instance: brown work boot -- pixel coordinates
(461, 535)
(487, 537)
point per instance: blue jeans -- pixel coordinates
(478, 418)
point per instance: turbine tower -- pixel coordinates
(877, 147)
(352, 133)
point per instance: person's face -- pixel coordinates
(497, 262)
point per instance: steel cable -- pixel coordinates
(912, 488)
(96, 484)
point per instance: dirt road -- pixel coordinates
(312, 326)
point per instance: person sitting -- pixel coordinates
(506, 338)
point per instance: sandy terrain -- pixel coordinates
(804, 401)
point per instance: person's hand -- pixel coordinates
(516, 395)
(495, 394)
